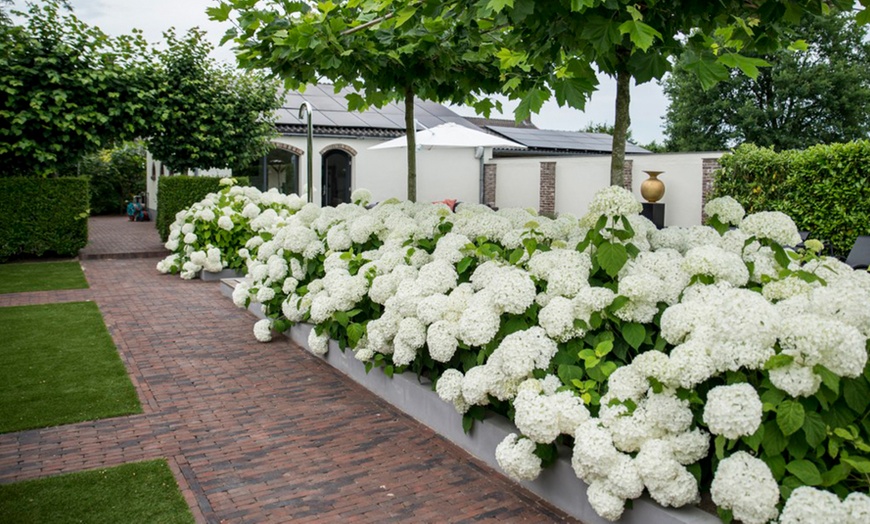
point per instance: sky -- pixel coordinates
(115, 17)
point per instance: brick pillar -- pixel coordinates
(708, 167)
(489, 184)
(547, 199)
(626, 174)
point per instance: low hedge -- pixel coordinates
(43, 215)
(825, 189)
(179, 192)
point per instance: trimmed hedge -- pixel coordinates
(825, 189)
(179, 192)
(43, 215)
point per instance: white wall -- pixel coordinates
(441, 172)
(579, 178)
(517, 182)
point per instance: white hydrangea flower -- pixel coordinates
(668, 482)
(812, 339)
(745, 485)
(441, 340)
(438, 276)
(251, 211)
(433, 308)
(524, 351)
(691, 363)
(338, 238)
(165, 265)
(557, 319)
(690, 446)
(614, 200)
(263, 330)
(479, 322)
(318, 344)
(714, 261)
(594, 451)
(857, 505)
(476, 385)
(726, 209)
(449, 385)
(361, 196)
(796, 380)
(733, 411)
(410, 337)
(265, 294)
(786, 288)
(536, 417)
(190, 238)
(516, 456)
(774, 225)
(565, 270)
(604, 502)
(807, 504)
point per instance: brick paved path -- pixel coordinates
(117, 237)
(256, 432)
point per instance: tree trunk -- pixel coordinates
(411, 131)
(620, 127)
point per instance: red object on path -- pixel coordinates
(449, 202)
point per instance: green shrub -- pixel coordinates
(116, 176)
(825, 189)
(43, 215)
(177, 193)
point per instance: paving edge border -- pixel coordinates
(558, 484)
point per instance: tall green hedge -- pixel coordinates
(178, 192)
(825, 189)
(43, 215)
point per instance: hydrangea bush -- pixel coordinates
(670, 361)
(211, 234)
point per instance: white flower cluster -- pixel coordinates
(745, 485)
(726, 209)
(774, 225)
(614, 201)
(733, 411)
(807, 504)
(209, 234)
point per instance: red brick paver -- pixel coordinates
(117, 237)
(258, 432)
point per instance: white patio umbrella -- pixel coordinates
(453, 135)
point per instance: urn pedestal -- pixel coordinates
(652, 190)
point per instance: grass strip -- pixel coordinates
(41, 276)
(59, 365)
(137, 492)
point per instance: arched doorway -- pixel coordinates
(336, 177)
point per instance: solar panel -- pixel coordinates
(562, 140)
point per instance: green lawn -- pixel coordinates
(138, 492)
(59, 365)
(41, 276)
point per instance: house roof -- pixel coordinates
(546, 141)
(500, 122)
(331, 116)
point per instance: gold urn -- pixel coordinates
(652, 189)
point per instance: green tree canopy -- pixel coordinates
(821, 95)
(67, 89)
(207, 115)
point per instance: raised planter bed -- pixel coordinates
(207, 276)
(558, 484)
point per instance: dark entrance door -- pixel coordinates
(336, 178)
